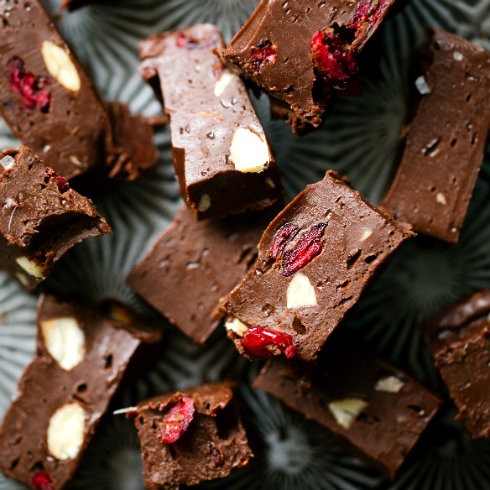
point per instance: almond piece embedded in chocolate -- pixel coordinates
(60, 66)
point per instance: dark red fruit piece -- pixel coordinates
(307, 248)
(264, 52)
(63, 184)
(193, 43)
(176, 421)
(287, 232)
(333, 57)
(361, 12)
(365, 13)
(41, 481)
(29, 87)
(263, 343)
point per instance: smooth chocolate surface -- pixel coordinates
(195, 263)
(459, 340)
(48, 100)
(275, 48)
(445, 141)
(41, 217)
(213, 445)
(375, 409)
(341, 241)
(221, 156)
(80, 361)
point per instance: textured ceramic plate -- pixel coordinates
(359, 140)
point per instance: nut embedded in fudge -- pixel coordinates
(41, 217)
(221, 156)
(190, 436)
(48, 100)
(194, 264)
(315, 260)
(81, 358)
(459, 341)
(302, 51)
(445, 141)
(375, 409)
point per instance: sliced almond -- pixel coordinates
(248, 151)
(300, 292)
(31, 267)
(60, 66)
(346, 410)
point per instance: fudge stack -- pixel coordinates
(279, 277)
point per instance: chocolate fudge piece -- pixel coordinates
(221, 156)
(80, 361)
(445, 141)
(190, 436)
(459, 340)
(195, 263)
(315, 260)
(41, 217)
(47, 99)
(373, 408)
(302, 51)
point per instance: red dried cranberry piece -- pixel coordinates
(365, 13)
(307, 248)
(332, 55)
(361, 12)
(189, 42)
(263, 343)
(264, 52)
(287, 232)
(176, 421)
(41, 481)
(30, 88)
(63, 184)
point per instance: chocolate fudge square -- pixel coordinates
(190, 436)
(41, 217)
(48, 100)
(315, 260)
(301, 52)
(81, 358)
(445, 141)
(459, 341)
(221, 156)
(374, 409)
(193, 264)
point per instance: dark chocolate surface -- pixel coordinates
(195, 263)
(459, 340)
(214, 444)
(41, 217)
(445, 141)
(45, 387)
(356, 241)
(288, 27)
(210, 105)
(375, 409)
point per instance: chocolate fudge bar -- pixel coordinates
(375, 409)
(302, 51)
(47, 99)
(41, 217)
(459, 340)
(221, 156)
(315, 260)
(445, 141)
(190, 436)
(80, 361)
(195, 263)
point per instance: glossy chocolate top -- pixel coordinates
(445, 141)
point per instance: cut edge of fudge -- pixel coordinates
(289, 324)
(43, 217)
(190, 436)
(459, 341)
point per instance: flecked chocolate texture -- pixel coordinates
(221, 156)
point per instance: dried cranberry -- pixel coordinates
(263, 343)
(29, 87)
(264, 52)
(365, 13)
(189, 42)
(361, 12)
(287, 232)
(333, 57)
(176, 421)
(307, 248)
(63, 184)
(41, 481)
